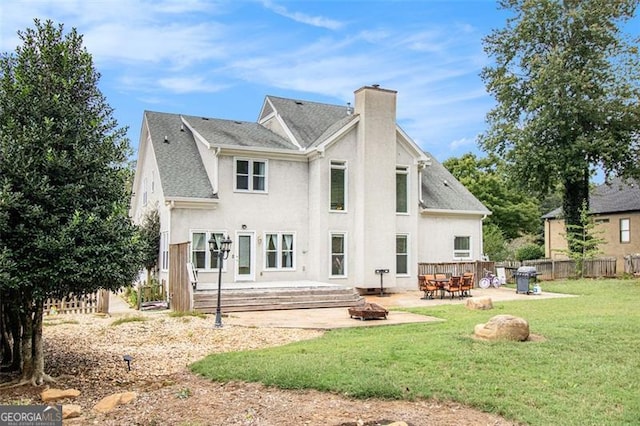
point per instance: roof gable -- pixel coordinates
(442, 191)
(180, 166)
(616, 196)
(307, 121)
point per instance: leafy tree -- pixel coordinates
(150, 240)
(586, 237)
(63, 167)
(494, 243)
(514, 211)
(567, 84)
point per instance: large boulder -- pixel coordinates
(503, 327)
(481, 303)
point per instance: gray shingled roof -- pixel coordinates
(442, 191)
(182, 173)
(308, 121)
(237, 133)
(617, 196)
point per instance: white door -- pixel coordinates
(245, 256)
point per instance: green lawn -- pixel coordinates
(585, 371)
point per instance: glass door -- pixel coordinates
(245, 256)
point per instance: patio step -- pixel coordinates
(267, 299)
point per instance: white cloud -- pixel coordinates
(303, 18)
(463, 143)
(186, 84)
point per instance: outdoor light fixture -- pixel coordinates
(223, 252)
(128, 359)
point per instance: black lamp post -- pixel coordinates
(223, 253)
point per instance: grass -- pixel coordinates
(177, 314)
(584, 371)
(128, 318)
(49, 322)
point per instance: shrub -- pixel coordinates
(529, 252)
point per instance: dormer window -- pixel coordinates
(251, 175)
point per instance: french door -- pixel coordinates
(245, 256)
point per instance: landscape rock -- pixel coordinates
(69, 411)
(503, 327)
(53, 394)
(110, 402)
(480, 303)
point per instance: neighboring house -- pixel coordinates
(310, 192)
(615, 207)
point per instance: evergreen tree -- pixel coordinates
(64, 225)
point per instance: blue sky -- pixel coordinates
(220, 58)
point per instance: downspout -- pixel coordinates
(482, 255)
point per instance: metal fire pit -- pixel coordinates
(368, 311)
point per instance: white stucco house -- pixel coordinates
(309, 192)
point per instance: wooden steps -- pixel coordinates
(267, 299)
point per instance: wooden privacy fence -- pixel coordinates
(632, 264)
(549, 269)
(92, 303)
(180, 291)
(457, 268)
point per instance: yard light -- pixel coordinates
(223, 248)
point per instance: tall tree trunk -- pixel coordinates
(15, 327)
(26, 342)
(32, 349)
(38, 376)
(576, 191)
(6, 350)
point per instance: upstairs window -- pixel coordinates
(625, 230)
(462, 247)
(402, 190)
(338, 186)
(251, 175)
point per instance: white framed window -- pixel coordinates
(145, 196)
(338, 254)
(338, 186)
(462, 247)
(164, 251)
(201, 256)
(402, 254)
(250, 175)
(625, 230)
(402, 189)
(279, 250)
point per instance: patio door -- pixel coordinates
(245, 256)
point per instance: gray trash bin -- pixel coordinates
(524, 274)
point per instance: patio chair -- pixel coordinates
(453, 286)
(427, 285)
(466, 284)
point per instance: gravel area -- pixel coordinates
(85, 352)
